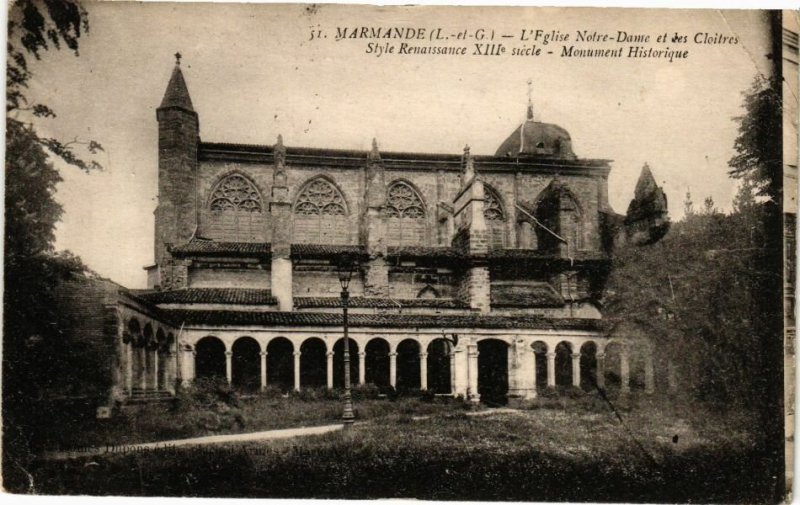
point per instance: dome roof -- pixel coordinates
(533, 138)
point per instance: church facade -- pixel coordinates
(476, 276)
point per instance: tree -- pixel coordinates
(32, 266)
(760, 138)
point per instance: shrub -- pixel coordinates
(365, 392)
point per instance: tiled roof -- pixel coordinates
(378, 303)
(317, 250)
(516, 254)
(423, 252)
(243, 318)
(238, 296)
(540, 294)
(214, 248)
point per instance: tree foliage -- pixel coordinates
(758, 146)
(35, 26)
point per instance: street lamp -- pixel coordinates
(345, 270)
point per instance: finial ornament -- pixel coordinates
(178, 57)
(468, 168)
(374, 154)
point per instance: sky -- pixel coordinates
(252, 73)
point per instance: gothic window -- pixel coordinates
(234, 192)
(495, 218)
(406, 215)
(320, 214)
(235, 211)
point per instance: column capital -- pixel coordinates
(551, 355)
(296, 354)
(362, 354)
(263, 353)
(600, 355)
(423, 355)
(392, 354)
(228, 353)
(576, 355)
(329, 354)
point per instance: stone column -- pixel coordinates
(128, 367)
(472, 372)
(649, 379)
(229, 366)
(297, 371)
(142, 367)
(551, 369)
(393, 369)
(263, 355)
(461, 372)
(601, 371)
(576, 369)
(624, 371)
(672, 379)
(172, 368)
(362, 368)
(423, 371)
(521, 371)
(452, 372)
(155, 366)
(187, 365)
(329, 368)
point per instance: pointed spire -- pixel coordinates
(646, 185)
(468, 166)
(374, 154)
(177, 94)
(279, 155)
(530, 100)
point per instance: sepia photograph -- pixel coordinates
(496, 253)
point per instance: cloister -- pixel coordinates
(475, 364)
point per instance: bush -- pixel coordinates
(365, 392)
(312, 394)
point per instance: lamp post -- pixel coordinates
(345, 271)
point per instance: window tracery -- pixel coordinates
(403, 201)
(236, 193)
(492, 210)
(320, 197)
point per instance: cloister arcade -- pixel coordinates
(487, 366)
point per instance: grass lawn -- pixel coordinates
(578, 453)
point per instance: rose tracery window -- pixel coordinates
(405, 214)
(234, 192)
(320, 214)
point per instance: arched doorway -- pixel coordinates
(246, 363)
(563, 364)
(540, 352)
(408, 365)
(376, 362)
(209, 361)
(338, 363)
(280, 363)
(588, 366)
(313, 363)
(439, 367)
(493, 371)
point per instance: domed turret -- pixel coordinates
(534, 138)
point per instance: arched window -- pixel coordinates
(235, 211)
(236, 193)
(559, 210)
(495, 218)
(406, 215)
(320, 214)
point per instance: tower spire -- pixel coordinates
(177, 94)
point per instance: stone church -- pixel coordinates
(479, 276)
